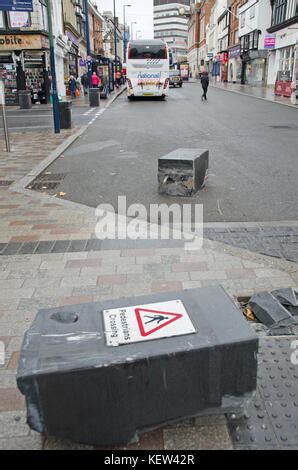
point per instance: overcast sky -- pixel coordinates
(140, 11)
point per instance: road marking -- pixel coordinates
(89, 112)
(146, 322)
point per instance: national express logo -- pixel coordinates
(149, 79)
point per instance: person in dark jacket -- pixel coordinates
(85, 83)
(72, 85)
(205, 84)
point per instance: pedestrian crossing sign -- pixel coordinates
(146, 322)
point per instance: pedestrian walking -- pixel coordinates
(95, 80)
(205, 84)
(118, 78)
(85, 83)
(72, 86)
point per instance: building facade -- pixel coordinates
(24, 50)
(172, 27)
(283, 38)
(254, 19)
(235, 63)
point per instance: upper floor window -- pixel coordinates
(252, 11)
(279, 12)
(2, 20)
(43, 15)
(19, 19)
(242, 20)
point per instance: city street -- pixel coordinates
(252, 144)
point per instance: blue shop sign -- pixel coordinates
(234, 52)
(16, 5)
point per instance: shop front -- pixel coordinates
(234, 67)
(71, 58)
(24, 65)
(224, 60)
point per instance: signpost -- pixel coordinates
(2, 103)
(16, 5)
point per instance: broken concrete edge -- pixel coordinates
(256, 97)
(21, 185)
(269, 311)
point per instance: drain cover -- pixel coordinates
(270, 421)
(39, 186)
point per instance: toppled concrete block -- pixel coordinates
(101, 373)
(182, 172)
(267, 309)
(286, 296)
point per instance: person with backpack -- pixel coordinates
(205, 84)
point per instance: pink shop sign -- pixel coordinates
(269, 41)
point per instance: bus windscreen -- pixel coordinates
(147, 51)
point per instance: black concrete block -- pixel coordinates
(94, 97)
(77, 387)
(182, 172)
(267, 309)
(286, 296)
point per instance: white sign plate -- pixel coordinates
(146, 322)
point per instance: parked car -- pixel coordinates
(175, 78)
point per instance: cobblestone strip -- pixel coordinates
(279, 242)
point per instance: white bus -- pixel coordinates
(147, 68)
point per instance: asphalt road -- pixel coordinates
(252, 144)
(40, 117)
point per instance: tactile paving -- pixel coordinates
(270, 420)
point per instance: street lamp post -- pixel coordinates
(115, 38)
(124, 39)
(56, 113)
(87, 31)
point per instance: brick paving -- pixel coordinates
(49, 257)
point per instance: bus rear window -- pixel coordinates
(148, 51)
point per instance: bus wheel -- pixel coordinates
(163, 98)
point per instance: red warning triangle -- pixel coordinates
(148, 324)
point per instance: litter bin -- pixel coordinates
(65, 114)
(25, 100)
(94, 97)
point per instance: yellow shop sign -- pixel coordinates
(14, 42)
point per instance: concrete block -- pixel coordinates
(182, 172)
(94, 97)
(267, 309)
(80, 387)
(286, 296)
